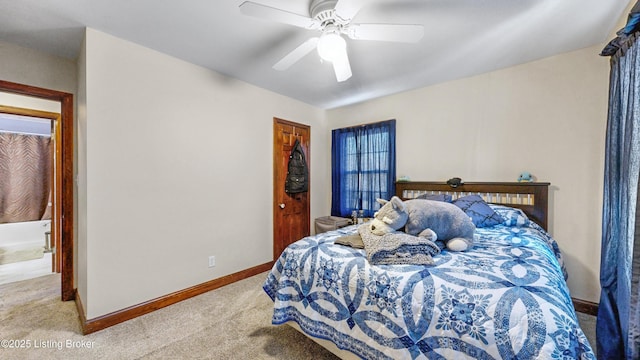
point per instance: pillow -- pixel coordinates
(480, 212)
(435, 197)
(511, 216)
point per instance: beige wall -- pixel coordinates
(178, 167)
(547, 117)
(28, 102)
(32, 67)
(80, 148)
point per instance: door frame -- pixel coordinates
(55, 170)
(276, 160)
(66, 222)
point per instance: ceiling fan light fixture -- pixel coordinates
(331, 46)
(333, 19)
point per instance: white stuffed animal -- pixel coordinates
(435, 220)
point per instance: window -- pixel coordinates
(363, 167)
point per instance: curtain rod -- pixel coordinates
(625, 34)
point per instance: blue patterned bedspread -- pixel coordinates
(505, 299)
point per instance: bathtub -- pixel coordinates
(23, 235)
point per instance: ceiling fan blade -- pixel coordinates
(341, 67)
(270, 13)
(297, 54)
(409, 33)
(347, 9)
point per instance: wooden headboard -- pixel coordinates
(531, 197)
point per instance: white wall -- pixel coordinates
(547, 117)
(27, 102)
(80, 149)
(32, 67)
(178, 167)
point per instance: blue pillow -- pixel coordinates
(479, 211)
(511, 216)
(436, 197)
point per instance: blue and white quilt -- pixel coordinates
(505, 299)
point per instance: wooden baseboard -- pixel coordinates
(105, 321)
(78, 301)
(585, 307)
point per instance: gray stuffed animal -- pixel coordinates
(425, 218)
(448, 221)
(391, 216)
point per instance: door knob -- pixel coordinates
(282, 206)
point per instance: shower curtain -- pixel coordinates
(25, 177)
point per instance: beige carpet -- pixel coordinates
(233, 322)
(588, 325)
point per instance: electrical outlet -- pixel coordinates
(212, 261)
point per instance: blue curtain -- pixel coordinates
(618, 323)
(363, 160)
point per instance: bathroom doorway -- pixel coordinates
(29, 189)
(65, 221)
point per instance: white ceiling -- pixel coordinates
(462, 38)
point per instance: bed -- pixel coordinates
(506, 298)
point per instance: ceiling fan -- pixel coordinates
(332, 18)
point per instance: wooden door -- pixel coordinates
(290, 211)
